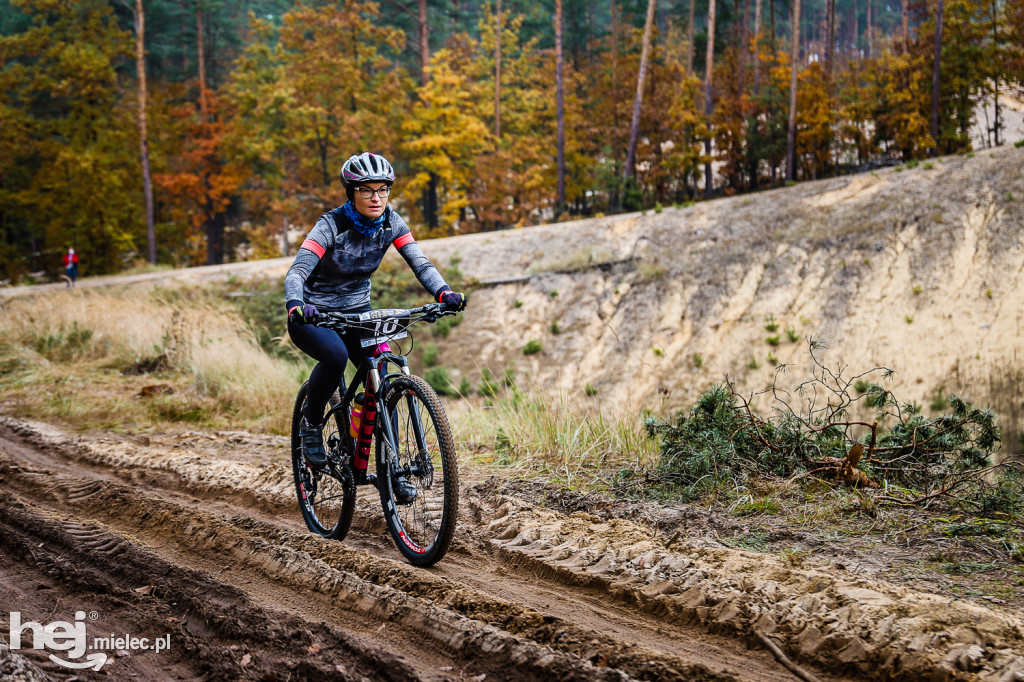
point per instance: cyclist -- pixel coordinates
(332, 272)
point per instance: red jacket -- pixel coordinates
(70, 259)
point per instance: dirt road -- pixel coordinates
(245, 591)
(196, 536)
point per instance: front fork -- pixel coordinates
(423, 467)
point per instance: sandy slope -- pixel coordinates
(919, 270)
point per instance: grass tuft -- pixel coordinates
(441, 381)
(570, 440)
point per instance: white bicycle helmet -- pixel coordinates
(366, 167)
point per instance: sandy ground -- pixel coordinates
(197, 535)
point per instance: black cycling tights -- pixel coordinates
(332, 350)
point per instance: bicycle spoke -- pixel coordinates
(326, 498)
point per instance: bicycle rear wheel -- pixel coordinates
(327, 498)
(424, 454)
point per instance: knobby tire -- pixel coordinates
(327, 498)
(422, 529)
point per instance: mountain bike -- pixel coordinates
(405, 421)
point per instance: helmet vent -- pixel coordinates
(366, 167)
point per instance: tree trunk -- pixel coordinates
(322, 146)
(430, 191)
(430, 202)
(773, 161)
(202, 64)
(936, 69)
(424, 41)
(147, 183)
(634, 127)
(689, 39)
(830, 36)
(615, 65)
(997, 122)
(615, 200)
(744, 46)
(871, 39)
(497, 76)
(756, 47)
(709, 67)
(905, 13)
(791, 137)
(214, 236)
(854, 30)
(560, 106)
(580, 35)
(212, 222)
(757, 19)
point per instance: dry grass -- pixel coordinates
(572, 261)
(133, 359)
(83, 357)
(574, 442)
(1005, 376)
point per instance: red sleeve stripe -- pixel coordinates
(314, 247)
(403, 240)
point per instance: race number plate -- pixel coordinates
(386, 324)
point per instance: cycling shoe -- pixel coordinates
(312, 444)
(405, 492)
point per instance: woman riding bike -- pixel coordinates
(331, 273)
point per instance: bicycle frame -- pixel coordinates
(378, 379)
(414, 443)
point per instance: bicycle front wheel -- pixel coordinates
(327, 498)
(417, 474)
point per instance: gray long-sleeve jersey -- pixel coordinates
(333, 267)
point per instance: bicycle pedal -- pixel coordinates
(371, 479)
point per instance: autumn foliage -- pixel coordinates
(250, 145)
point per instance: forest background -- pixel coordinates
(184, 132)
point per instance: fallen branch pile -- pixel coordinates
(910, 459)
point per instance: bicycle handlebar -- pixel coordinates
(428, 313)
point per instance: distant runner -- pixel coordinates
(71, 266)
(332, 273)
